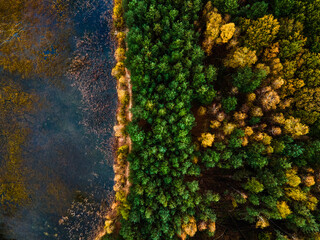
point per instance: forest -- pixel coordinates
(225, 120)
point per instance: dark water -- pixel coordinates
(69, 147)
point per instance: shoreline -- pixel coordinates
(119, 207)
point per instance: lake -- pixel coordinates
(66, 158)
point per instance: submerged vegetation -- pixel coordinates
(57, 110)
(14, 106)
(225, 119)
(28, 50)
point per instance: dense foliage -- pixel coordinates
(167, 74)
(264, 122)
(225, 100)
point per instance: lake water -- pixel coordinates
(68, 155)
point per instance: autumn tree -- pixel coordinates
(308, 12)
(307, 103)
(241, 57)
(217, 30)
(292, 39)
(269, 100)
(309, 71)
(260, 33)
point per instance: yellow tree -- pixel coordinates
(226, 32)
(206, 139)
(307, 102)
(190, 228)
(295, 128)
(217, 31)
(261, 32)
(283, 209)
(291, 86)
(241, 57)
(271, 52)
(293, 179)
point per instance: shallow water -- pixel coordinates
(68, 152)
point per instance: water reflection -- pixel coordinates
(55, 117)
